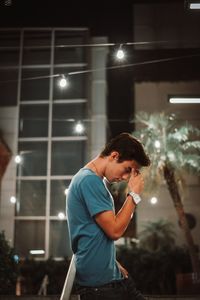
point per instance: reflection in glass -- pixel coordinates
(33, 121)
(73, 54)
(69, 55)
(9, 57)
(8, 87)
(36, 56)
(35, 84)
(29, 235)
(59, 239)
(37, 38)
(34, 159)
(65, 116)
(67, 157)
(58, 196)
(31, 198)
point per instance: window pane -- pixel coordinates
(33, 121)
(58, 196)
(9, 57)
(34, 159)
(64, 55)
(69, 38)
(31, 198)
(77, 85)
(29, 235)
(35, 88)
(59, 239)
(67, 157)
(36, 56)
(73, 54)
(37, 38)
(66, 116)
(8, 87)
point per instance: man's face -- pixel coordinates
(118, 171)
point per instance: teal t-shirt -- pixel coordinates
(95, 253)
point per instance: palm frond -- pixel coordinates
(179, 146)
(191, 145)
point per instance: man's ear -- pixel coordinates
(114, 155)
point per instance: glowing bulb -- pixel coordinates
(153, 200)
(79, 128)
(120, 54)
(66, 191)
(63, 82)
(157, 144)
(13, 199)
(18, 159)
(61, 215)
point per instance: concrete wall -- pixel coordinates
(98, 97)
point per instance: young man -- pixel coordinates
(93, 224)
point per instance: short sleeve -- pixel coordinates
(95, 195)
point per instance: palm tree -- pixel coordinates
(157, 235)
(174, 148)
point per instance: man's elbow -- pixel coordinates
(114, 235)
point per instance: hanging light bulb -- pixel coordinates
(18, 159)
(120, 53)
(63, 82)
(61, 215)
(79, 128)
(153, 200)
(13, 199)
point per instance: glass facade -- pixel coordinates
(31, 62)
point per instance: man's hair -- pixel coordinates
(128, 147)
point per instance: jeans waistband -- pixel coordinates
(111, 284)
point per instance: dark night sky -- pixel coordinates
(102, 17)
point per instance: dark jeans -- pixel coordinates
(118, 290)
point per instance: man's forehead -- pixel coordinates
(133, 164)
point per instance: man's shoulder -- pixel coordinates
(84, 175)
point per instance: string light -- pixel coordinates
(18, 159)
(79, 128)
(61, 215)
(63, 82)
(106, 68)
(13, 199)
(153, 200)
(120, 53)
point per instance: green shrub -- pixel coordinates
(8, 267)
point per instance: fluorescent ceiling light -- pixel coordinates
(194, 5)
(184, 100)
(35, 252)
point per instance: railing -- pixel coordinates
(67, 288)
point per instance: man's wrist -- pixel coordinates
(135, 197)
